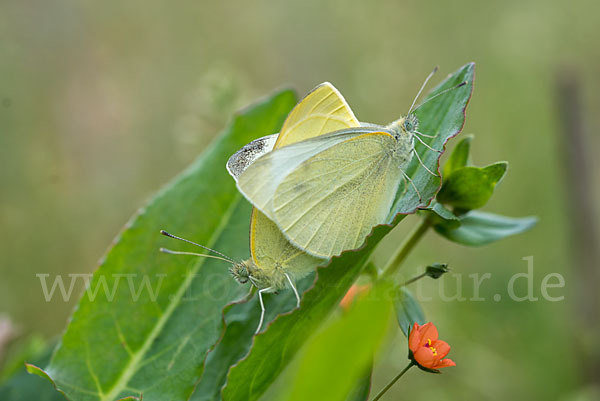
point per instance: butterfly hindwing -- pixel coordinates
(271, 250)
(322, 111)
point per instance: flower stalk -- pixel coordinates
(394, 380)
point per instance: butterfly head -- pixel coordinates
(405, 127)
(410, 123)
(240, 271)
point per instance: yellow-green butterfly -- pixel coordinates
(328, 189)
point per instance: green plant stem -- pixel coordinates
(394, 380)
(403, 250)
(412, 280)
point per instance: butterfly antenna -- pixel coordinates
(423, 164)
(441, 93)
(170, 252)
(227, 258)
(422, 87)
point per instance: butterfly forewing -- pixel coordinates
(259, 181)
(244, 157)
(331, 201)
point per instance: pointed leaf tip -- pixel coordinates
(480, 228)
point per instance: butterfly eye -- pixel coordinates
(411, 123)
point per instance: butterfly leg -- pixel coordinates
(427, 146)
(250, 294)
(426, 136)
(262, 308)
(423, 164)
(413, 185)
(294, 289)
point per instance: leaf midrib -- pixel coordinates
(137, 357)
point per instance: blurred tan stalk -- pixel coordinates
(582, 221)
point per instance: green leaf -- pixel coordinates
(439, 214)
(155, 342)
(408, 310)
(480, 228)
(362, 387)
(443, 118)
(471, 187)
(459, 157)
(344, 347)
(240, 320)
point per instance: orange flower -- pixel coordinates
(354, 292)
(425, 348)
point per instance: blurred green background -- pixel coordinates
(101, 103)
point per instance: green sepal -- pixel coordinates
(471, 187)
(415, 363)
(408, 310)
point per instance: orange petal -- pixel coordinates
(441, 347)
(415, 337)
(444, 363)
(428, 332)
(424, 357)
